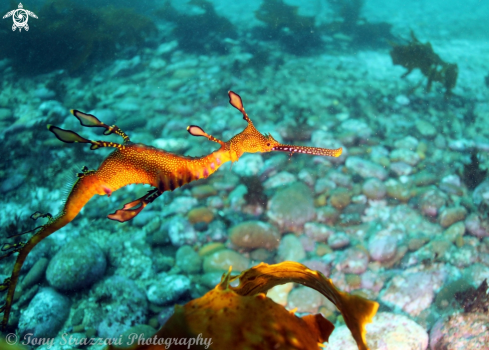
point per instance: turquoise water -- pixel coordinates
(400, 217)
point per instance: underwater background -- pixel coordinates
(401, 217)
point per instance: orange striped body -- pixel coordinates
(140, 164)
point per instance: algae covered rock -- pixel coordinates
(118, 305)
(290, 208)
(387, 331)
(188, 259)
(45, 315)
(466, 331)
(221, 260)
(168, 289)
(254, 234)
(77, 265)
(290, 249)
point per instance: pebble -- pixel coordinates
(308, 177)
(401, 168)
(280, 293)
(453, 232)
(387, 331)
(176, 145)
(77, 265)
(317, 265)
(143, 331)
(359, 128)
(338, 240)
(450, 216)
(123, 68)
(304, 299)
(405, 155)
(221, 260)
(463, 331)
(431, 202)
(477, 226)
(44, 93)
(12, 182)
(461, 256)
(308, 244)
(340, 198)
(425, 128)
(290, 249)
(53, 109)
(180, 205)
(254, 234)
(45, 315)
(411, 293)
(475, 274)
(402, 100)
(291, 207)
(181, 231)
(398, 190)
(200, 214)
(366, 168)
(352, 260)
(324, 185)
(461, 145)
(374, 189)
(35, 274)
(382, 248)
(317, 232)
(481, 193)
(188, 259)
(327, 215)
(168, 289)
(121, 304)
(281, 179)
(248, 165)
(340, 179)
(166, 47)
(203, 191)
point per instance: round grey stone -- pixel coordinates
(77, 265)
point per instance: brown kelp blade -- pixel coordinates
(356, 311)
(316, 151)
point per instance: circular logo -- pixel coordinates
(20, 17)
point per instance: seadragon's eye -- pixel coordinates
(268, 144)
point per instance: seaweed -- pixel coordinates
(475, 300)
(418, 55)
(361, 32)
(199, 33)
(69, 36)
(473, 174)
(295, 33)
(348, 11)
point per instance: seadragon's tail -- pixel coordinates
(84, 188)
